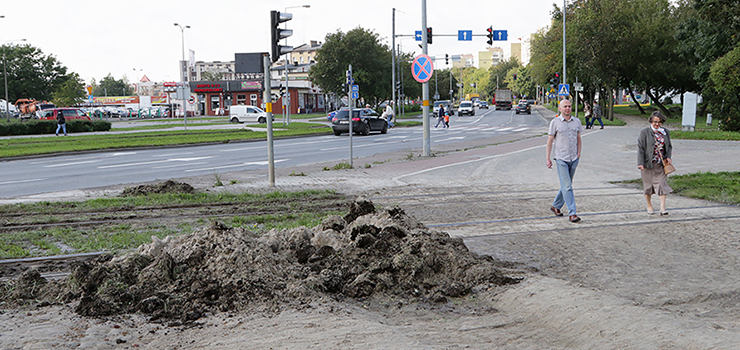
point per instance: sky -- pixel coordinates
(129, 39)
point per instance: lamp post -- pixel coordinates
(287, 90)
(138, 94)
(5, 73)
(183, 76)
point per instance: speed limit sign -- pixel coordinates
(191, 100)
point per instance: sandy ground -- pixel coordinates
(620, 279)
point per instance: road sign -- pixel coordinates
(464, 35)
(417, 35)
(563, 89)
(578, 87)
(191, 100)
(422, 68)
(500, 35)
(355, 88)
(355, 95)
(551, 95)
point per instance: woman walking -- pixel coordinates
(654, 145)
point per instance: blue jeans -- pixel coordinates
(593, 121)
(566, 171)
(62, 126)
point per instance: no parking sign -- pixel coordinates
(422, 68)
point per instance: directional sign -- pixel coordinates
(500, 35)
(563, 89)
(417, 35)
(464, 35)
(355, 95)
(355, 88)
(422, 68)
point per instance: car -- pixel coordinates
(483, 104)
(364, 121)
(523, 107)
(444, 103)
(242, 113)
(531, 102)
(466, 107)
(476, 103)
(68, 113)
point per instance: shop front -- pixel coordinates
(215, 97)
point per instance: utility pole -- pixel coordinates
(425, 86)
(393, 65)
(267, 97)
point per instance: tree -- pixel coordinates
(370, 60)
(31, 74)
(211, 74)
(110, 86)
(501, 75)
(724, 79)
(71, 92)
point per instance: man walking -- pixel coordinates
(565, 135)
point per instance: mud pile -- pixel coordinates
(367, 253)
(169, 186)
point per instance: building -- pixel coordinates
(516, 51)
(491, 57)
(466, 60)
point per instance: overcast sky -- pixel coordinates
(131, 38)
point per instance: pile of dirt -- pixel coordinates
(366, 253)
(169, 186)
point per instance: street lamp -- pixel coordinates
(5, 73)
(182, 77)
(138, 93)
(287, 90)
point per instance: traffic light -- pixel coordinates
(447, 59)
(514, 76)
(277, 34)
(429, 35)
(490, 35)
(557, 79)
(398, 86)
(282, 90)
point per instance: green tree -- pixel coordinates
(502, 75)
(370, 60)
(724, 79)
(110, 86)
(71, 92)
(31, 74)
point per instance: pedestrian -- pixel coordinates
(654, 145)
(564, 137)
(447, 119)
(61, 123)
(587, 113)
(441, 116)
(388, 114)
(596, 115)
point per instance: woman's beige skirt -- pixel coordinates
(655, 181)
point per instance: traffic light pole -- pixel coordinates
(393, 65)
(267, 97)
(425, 86)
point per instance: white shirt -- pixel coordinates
(565, 145)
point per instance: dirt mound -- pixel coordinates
(169, 186)
(366, 253)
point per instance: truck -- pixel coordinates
(502, 99)
(29, 107)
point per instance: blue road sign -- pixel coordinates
(417, 35)
(564, 90)
(551, 95)
(355, 88)
(355, 95)
(464, 35)
(500, 35)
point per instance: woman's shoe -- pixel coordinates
(651, 211)
(663, 213)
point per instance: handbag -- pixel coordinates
(667, 168)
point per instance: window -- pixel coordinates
(215, 103)
(241, 99)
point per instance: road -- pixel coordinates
(78, 171)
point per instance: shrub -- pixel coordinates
(101, 125)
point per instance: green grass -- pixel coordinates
(47, 145)
(723, 187)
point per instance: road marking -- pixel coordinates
(19, 181)
(69, 164)
(264, 162)
(452, 138)
(178, 165)
(153, 162)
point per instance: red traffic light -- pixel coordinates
(557, 75)
(490, 30)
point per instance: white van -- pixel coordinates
(241, 114)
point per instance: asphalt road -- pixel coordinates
(39, 175)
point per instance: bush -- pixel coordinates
(101, 125)
(39, 127)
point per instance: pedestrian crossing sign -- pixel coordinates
(564, 90)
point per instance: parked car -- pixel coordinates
(241, 114)
(68, 113)
(364, 121)
(523, 107)
(466, 107)
(484, 104)
(331, 115)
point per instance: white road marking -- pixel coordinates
(69, 164)
(19, 181)
(264, 162)
(153, 162)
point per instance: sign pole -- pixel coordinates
(267, 97)
(425, 86)
(350, 82)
